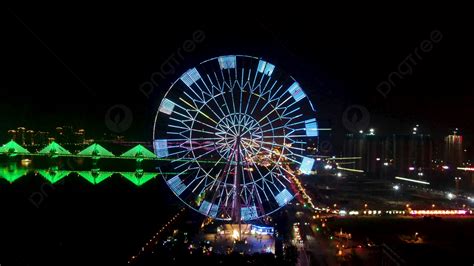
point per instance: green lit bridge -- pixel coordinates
(54, 151)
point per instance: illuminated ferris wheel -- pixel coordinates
(235, 129)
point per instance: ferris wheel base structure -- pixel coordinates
(235, 128)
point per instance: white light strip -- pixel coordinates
(466, 168)
(412, 180)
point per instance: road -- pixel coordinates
(316, 248)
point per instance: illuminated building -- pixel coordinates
(453, 151)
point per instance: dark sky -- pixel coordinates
(70, 67)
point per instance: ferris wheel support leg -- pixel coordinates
(237, 175)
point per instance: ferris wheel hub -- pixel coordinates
(240, 130)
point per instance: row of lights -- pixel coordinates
(402, 212)
(438, 212)
(379, 212)
(155, 236)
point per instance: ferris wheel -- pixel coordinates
(235, 129)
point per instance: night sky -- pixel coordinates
(70, 67)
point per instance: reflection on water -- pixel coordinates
(13, 170)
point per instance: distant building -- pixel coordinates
(41, 138)
(80, 136)
(453, 149)
(59, 135)
(68, 135)
(384, 155)
(30, 137)
(12, 134)
(411, 152)
(367, 146)
(21, 138)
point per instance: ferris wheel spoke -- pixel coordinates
(189, 150)
(196, 139)
(221, 92)
(255, 165)
(218, 105)
(270, 122)
(279, 145)
(269, 188)
(180, 127)
(264, 88)
(282, 155)
(233, 101)
(207, 107)
(255, 105)
(225, 103)
(286, 136)
(286, 171)
(270, 98)
(248, 101)
(206, 124)
(274, 109)
(201, 131)
(197, 110)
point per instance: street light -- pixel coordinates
(396, 187)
